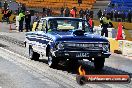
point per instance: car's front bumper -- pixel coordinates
(80, 54)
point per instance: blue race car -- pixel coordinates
(66, 38)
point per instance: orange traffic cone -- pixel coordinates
(119, 32)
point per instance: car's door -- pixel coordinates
(41, 36)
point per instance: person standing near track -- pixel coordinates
(90, 23)
(67, 12)
(99, 14)
(28, 21)
(81, 13)
(21, 19)
(62, 12)
(105, 21)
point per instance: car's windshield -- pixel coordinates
(67, 24)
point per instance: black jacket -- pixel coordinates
(28, 18)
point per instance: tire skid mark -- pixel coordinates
(12, 40)
(43, 71)
(58, 72)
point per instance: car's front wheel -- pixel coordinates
(73, 64)
(99, 63)
(52, 61)
(33, 55)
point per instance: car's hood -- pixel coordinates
(69, 36)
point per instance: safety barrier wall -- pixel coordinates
(127, 48)
(127, 28)
(123, 47)
(112, 32)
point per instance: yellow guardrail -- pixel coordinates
(114, 45)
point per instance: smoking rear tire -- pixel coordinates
(52, 61)
(33, 55)
(99, 63)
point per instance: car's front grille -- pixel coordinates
(83, 46)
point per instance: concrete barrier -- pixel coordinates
(17, 22)
(120, 45)
(123, 47)
(112, 32)
(127, 48)
(114, 45)
(128, 34)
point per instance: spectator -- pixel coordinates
(73, 12)
(48, 11)
(44, 9)
(123, 16)
(99, 14)
(90, 23)
(111, 15)
(91, 14)
(87, 12)
(35, 18)
(62, 12)
(67, 12)
(8, 15)
(21, 19)
(23, 7)
(119, 15)
(5, 5)
(28, 21)
(81, 13)
(4, 15)
(105, 24)
(115, 15)
(129, 16)
(0, 4)
(75, 9)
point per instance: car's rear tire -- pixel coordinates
(52, 61)
(99, 63)
(33, 55)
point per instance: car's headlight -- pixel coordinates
(60, 45)
(106, 47)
